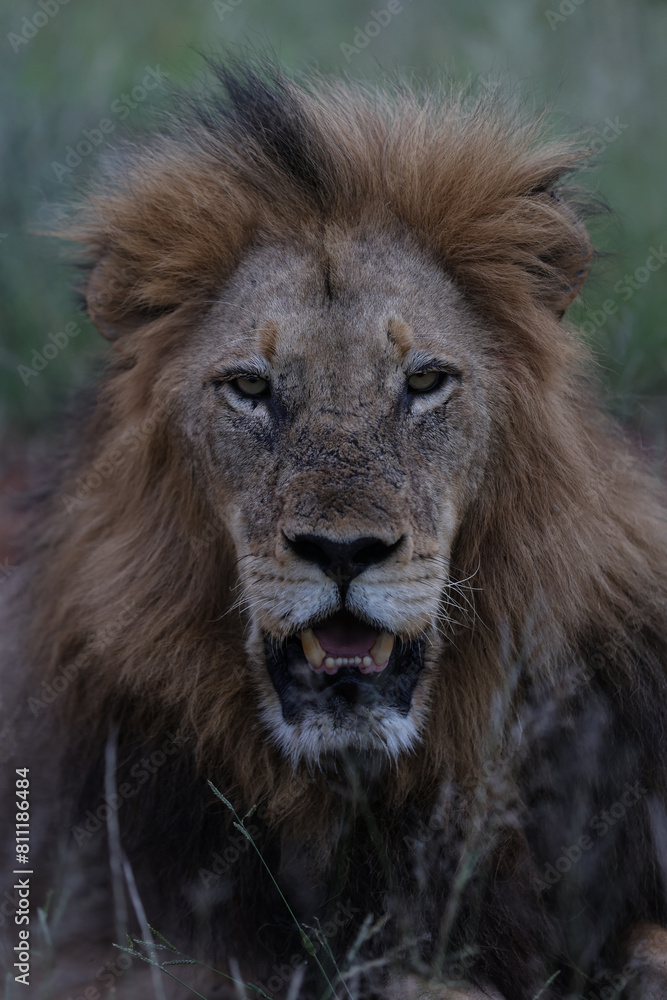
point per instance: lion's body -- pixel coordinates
(498, 789)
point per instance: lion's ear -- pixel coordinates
(569, 259)
(161, 233)
(114, 301)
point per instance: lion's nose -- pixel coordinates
(342, 561)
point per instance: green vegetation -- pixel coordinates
(65, 71)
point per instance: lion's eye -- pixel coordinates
(425, 381)
(251, 385)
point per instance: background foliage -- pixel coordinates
(66, 66)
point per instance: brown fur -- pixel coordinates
(564, 539)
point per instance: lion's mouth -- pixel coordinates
(343, 668)
(343, 641)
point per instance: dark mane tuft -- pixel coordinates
(262, 109)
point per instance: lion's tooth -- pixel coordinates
(381, 649)
(312, 648)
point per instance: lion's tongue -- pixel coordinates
(344, 641)
(345, 635)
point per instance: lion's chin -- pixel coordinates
(317, 714)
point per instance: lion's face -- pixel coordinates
(338, 401)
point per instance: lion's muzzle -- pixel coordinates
(343, 640)
(343, 678)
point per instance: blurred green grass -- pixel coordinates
(596, 64)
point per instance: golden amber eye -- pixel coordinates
(424, 381)
(251, 385)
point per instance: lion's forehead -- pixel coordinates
(330, 304)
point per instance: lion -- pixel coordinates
(337, 657)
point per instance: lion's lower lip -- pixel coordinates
(347, 691)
